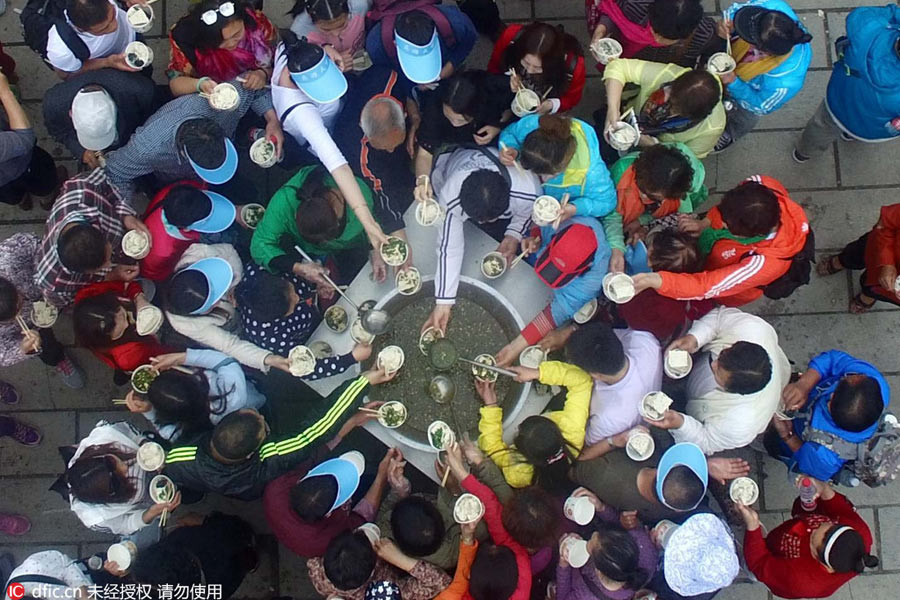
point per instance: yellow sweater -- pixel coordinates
(571, 421)
(650, 76)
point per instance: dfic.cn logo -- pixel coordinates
(15, 591)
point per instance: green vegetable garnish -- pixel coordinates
(142, 380)
(437, 438)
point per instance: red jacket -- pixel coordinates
(492, 511)
(126, 356)
(664, 317)
(783, 560)
(883, 247)
(576, 84)
(165, 250)
(298, 536)
(733, 270)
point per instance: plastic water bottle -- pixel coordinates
(808, 495)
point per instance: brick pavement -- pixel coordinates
(842, 192)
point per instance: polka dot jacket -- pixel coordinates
(282, 334)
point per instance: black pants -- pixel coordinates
(38, 180)
(495, 229)
(853, 257)
(51, 349)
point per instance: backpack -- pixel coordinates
(874, 462)
(798, 271)
(39, 16)
(387, 11)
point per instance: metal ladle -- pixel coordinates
(443, 354)
(442, 389)
(375, 321)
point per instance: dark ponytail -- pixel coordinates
(300, 53)
(541, 443)
(549, 148)
(869, 561)
(617, 556)
(846, 551)
(779, 33)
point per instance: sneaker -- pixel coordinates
(72, 375)
(8, 393)
(14, 524)
(798, 158)
(725, 140)
(22, 433)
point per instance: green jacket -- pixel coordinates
(279, 224)
(696, 196)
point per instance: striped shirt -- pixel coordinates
(690, 52)
(152, 148)
(86, 198)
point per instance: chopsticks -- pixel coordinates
(517, 259)
(163, 518)
(22, 324)
(562, 205)
(244, 80)
(370, 411)
(446, 475)
(119, 401)
(728, 37)
(519, 167)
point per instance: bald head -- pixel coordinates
(383, 122)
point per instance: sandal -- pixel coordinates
(826, 265)
(859, 306)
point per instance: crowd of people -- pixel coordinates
(373, 109)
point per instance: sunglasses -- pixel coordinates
(226, 9)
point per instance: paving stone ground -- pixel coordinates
(842, 193)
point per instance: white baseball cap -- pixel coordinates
(94, 116)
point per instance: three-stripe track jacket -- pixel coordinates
(192, 466)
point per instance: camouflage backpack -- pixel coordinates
(874, 462)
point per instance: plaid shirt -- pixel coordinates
(152, 149)
(88, 198)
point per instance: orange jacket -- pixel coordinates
(883, 246)
(735, 271)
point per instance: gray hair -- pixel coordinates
(382, 115)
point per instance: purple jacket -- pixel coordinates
(570, 583)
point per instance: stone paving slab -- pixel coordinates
(769, 152)
(801, 336)
(822, 295)
(58, 429)
(889, 522)
(52, 520)
(816, 27)
(840, 216)
(864, 164)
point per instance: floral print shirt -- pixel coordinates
(423, 582)
(17, 255)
